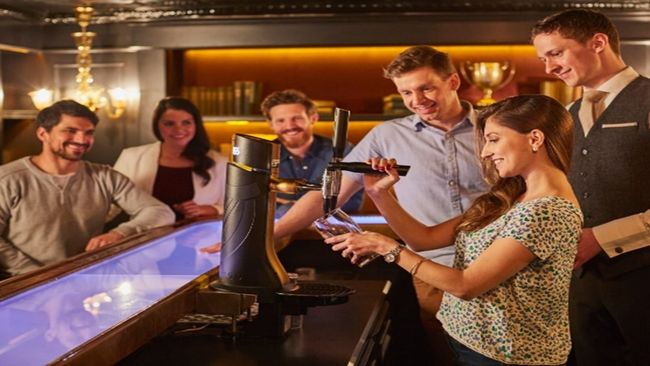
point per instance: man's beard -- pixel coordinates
(295, 141)
(71, 157)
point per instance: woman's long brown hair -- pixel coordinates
(197, 149)
(523, 114)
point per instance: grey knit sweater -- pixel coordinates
(42, 223)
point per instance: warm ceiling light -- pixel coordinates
(113, 101)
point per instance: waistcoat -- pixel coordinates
(610, 168)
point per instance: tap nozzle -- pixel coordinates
(292, 186)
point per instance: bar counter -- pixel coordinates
(99, 307)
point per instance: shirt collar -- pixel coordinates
(36, 170)
(469, 120)
(315, 147)
(618, 82)
(284, 153)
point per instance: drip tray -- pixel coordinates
(316, 294)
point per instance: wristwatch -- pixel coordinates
(391, 256)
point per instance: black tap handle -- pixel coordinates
(359, 167)
(341, 119)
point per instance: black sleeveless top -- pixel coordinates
(173, 186)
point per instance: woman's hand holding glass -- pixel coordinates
(360, 245)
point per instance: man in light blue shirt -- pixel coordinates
(437, 142)
(443, 179)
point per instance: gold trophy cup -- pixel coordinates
(487, 76)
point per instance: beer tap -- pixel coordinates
(333, 174)
(249, 263)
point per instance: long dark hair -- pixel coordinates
(197, 149)
(523, 114)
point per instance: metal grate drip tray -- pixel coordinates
(316, 294)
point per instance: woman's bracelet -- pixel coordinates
(416, 266)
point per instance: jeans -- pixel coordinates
(429, 298)
(464, 356)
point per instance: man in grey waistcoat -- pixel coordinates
(609, 299)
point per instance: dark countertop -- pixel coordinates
(328, 337)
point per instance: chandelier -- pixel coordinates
(112, 101)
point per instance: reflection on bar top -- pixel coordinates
(46, 322)
(369, 219)
(366, 219)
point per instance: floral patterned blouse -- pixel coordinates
(524, 320)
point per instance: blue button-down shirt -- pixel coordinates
(311, 168)
(445, 175)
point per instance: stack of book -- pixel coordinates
(325, 106)
(394, 105)
(240, 99)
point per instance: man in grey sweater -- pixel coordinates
(54, 205)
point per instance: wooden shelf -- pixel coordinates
(323, 118)
(19, 113)
(349, 76)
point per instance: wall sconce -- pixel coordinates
(41, 98)
(112, 101)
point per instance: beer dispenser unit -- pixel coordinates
(249, 263)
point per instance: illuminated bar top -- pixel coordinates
(44, 323)
(369, 219)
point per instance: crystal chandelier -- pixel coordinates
(96, 98)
